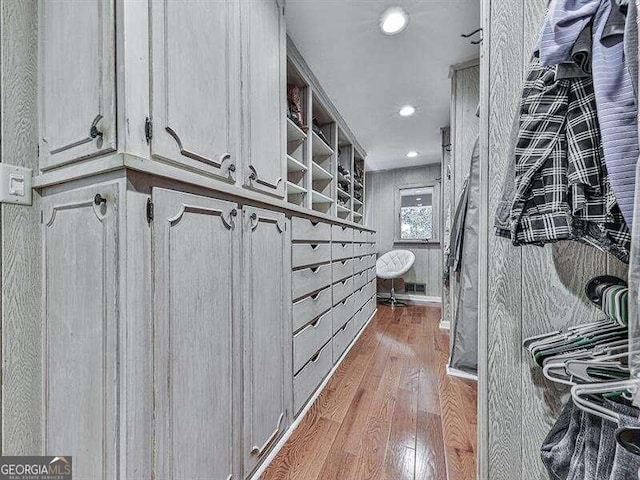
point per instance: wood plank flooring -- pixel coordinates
(390, 412)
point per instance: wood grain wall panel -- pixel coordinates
(530, 289)
(20, 234)
(381, 191)
(504, 354)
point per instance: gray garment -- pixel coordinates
(562, 450)
(592, 435)
(457, 230)
(464, 347)
(502, 220)
(615, 97)
(631, 43)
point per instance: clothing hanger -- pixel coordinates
(583, 395)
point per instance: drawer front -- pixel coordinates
(341, 250)
(310, 339)
(371, 274)
(370, 248)
(361, 317)
(360, 236)
(343, 338)
(360, 280)
(370, 261)
(371, 237)
(360, 264)
(310, 280)
(303, 254)
(370, 308)
(371, 290)
(311, 307)
(303, 229)
(310, 377)
(360, 298)
(342, 312)
(360, 249)
(342, 269)
(341, 234)
(342, 290)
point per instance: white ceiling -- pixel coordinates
(369, 75)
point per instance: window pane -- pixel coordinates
(416, 214)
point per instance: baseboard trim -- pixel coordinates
(445, 324)
(454, 372)
(305, 410)
(413, 298)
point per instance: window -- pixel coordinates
(416, 214)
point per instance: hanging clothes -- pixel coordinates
(454, 251)
(615, 96)
(464, 330)
(561, 189)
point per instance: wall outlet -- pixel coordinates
(15, 185)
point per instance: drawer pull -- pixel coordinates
(315, 224)
(314, 246)
(260, 450)
(344, 327)
(314, 269)
(314, 359)
(315, 296)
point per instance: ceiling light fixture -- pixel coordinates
(393, 21)
(412, 154)
(407, 111)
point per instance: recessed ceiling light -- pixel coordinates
(412, 154)
(393, 21)
(407, 111)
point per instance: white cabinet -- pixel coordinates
(195, 81)
(264, 64)
(80, 372)
(266, 325)
(77, 89)
(196, 245)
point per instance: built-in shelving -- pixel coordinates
(319, 146)
(357, 202)
(317, 197)
(342, 210)
(294, 132)
(294, 189)
(319, 173)
(343, 194)
(294, 165)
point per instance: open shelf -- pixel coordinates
(357, 215)
(319, 147)
(319, 173)
(357, 202)
(317, 197)
(343, 194)
(342, 209)
(294, 133)
(294, 189)
(294, 165)
(356, 183)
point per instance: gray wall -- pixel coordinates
(20, 239)
(524, 291)
(381, 191)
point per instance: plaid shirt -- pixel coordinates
(562, 190)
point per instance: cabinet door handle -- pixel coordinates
(99, 199)
(95, 132)
(260, 450)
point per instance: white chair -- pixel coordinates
(392, 265)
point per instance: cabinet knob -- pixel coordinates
(99, 199)
(95, 132)
(232, 167)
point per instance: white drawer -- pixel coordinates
(360, 317)
(340, 251)
(303, 254)
(360, 264)
(370, 261)
(342, 312)
(311, 307)
(303, 229)
(342, 290)
(361, 249)
(371, 237)
(360, 298)
(360, 236)
(340, 233)
(310, 339)
(310, 280)
(342, 269)
(371, 274)
(369, 308)
(310, 377)
(371, 248)
(372, 289)
(343, 338)
(359, 280)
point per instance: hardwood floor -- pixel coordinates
(390, 411)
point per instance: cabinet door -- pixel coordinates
(264, 54)
(267, 342)
(77, 80)
(195, 84)
(79, 333)
(196, 267)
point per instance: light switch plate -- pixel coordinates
(15, 185)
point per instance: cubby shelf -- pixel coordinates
(319, 147)
(342, 209)
(294, 133)
(294, 165)
(293, 189)
(356, 202)
(343, 194)
(319, 173)
(317, 197)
